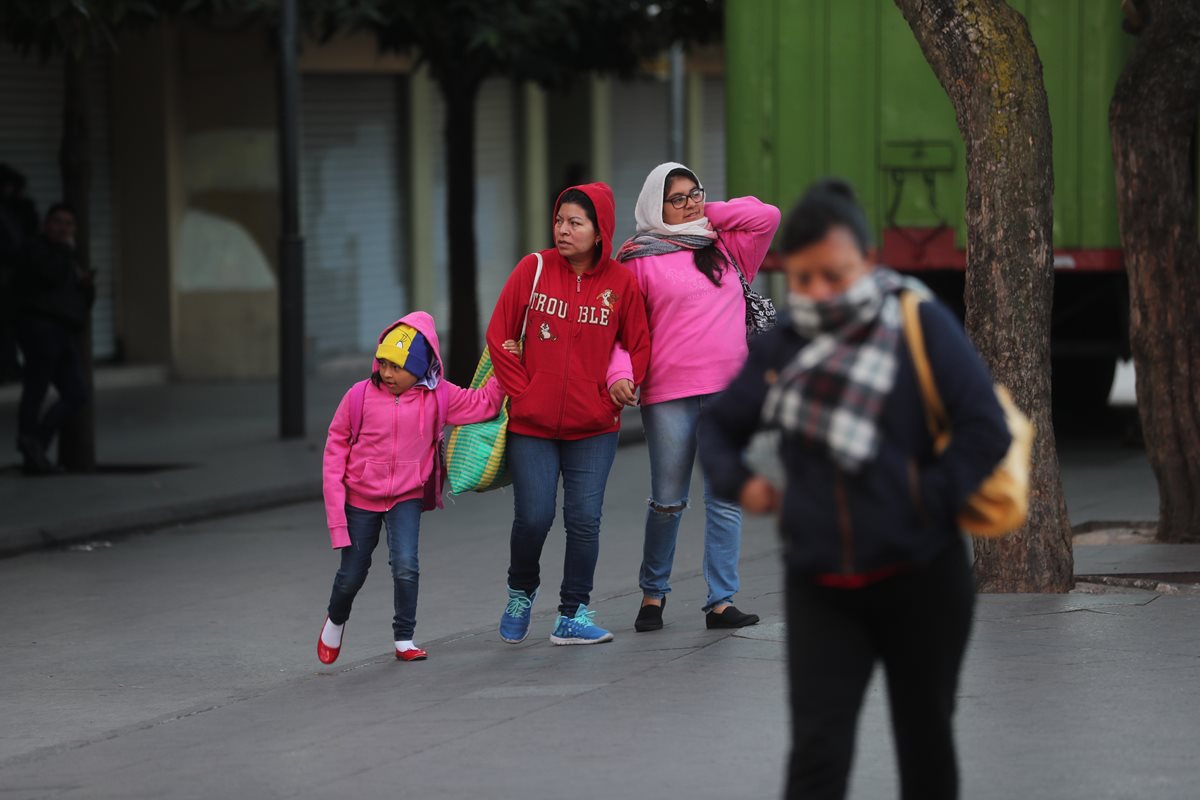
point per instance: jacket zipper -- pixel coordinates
(562, 405)
(844, 522)
(395, 436)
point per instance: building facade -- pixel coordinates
(185, 208)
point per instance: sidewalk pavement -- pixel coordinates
(166, 666)
(181, 665)
(171, 453)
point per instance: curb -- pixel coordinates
(105, 378)
(31, 538)
(34, 537)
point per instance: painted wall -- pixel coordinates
(196, 171)
(148, 192)
(226, 265)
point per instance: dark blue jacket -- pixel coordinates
(901, 508)
(50, 285)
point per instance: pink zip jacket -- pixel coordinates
(396, 452)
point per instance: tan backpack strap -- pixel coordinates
(935, 413)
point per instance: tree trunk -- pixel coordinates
(460, 227)
(291, 242)
(1153, 119)
(984, 57)
(77, 441)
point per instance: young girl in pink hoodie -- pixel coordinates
(383, 466)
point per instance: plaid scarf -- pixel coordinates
(832, 393)
(657, 244)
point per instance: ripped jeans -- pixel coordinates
(671, 435)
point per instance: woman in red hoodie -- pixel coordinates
(562, 419)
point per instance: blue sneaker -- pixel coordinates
(514, 622)
(579, 629)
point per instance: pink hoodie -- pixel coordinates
(396, 452)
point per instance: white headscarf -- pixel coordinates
(648, 213)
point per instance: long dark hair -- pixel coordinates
(709, 260)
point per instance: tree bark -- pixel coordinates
(459, 136)
(1153, 119)
(77, 442)
(984, 57)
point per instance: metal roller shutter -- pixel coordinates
(30, 132)
(712, 138)
(640, 142)
(355, 263)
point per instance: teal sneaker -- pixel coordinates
(579, 629)
(514, 622)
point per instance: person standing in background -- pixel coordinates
(54, 294)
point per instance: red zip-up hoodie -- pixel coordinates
(560, 391)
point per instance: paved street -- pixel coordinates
(180, 663)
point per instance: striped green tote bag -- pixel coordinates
(476, 453)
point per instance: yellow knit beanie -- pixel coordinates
(405, 347)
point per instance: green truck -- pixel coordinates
(840, 87)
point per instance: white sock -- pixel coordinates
(331, 634)
(407, 644)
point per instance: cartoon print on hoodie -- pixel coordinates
(560, 390)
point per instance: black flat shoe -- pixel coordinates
(729, 618)
(649, 618)
(36, 460)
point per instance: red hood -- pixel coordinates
(423, 322)
(602, 198)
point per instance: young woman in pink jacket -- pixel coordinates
(383, 466)
(686, 255)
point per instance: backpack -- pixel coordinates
(1001, 503)
(433, 486)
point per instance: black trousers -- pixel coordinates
(915, 623)
(51, 358)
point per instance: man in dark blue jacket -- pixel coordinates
(876, 566)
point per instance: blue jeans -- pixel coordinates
(403, 523)
(671, 434)
(535, 465)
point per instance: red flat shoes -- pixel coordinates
(327, 654)
(416, 654)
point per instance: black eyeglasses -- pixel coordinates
(680, 200)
